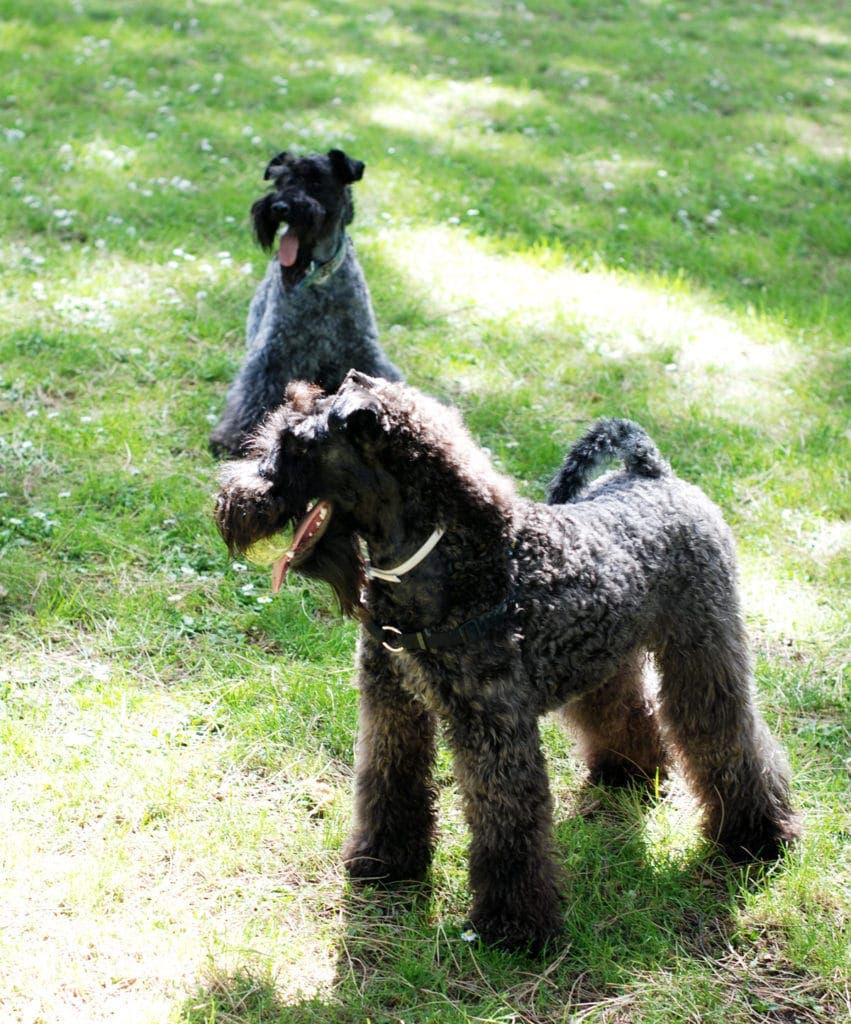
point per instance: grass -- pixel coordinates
(569, 210)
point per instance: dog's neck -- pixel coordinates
(423, 636)
(395, 575)
(406, 571)
(322, 268)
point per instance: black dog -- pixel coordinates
(311, 317)
(486, 610)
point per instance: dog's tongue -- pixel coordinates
(310, 529)
(280, 569)
(287, 247)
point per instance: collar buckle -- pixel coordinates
(470, 632)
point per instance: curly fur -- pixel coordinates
(637, 561)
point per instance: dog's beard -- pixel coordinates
(336, 561)
(295, 236)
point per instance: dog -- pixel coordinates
(311, 317)
(484, 610)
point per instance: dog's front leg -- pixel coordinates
(258, 387)
(500, 768)
(395, 797)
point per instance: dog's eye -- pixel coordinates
(267, 468)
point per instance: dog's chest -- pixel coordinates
(455, 685)
(421, 681)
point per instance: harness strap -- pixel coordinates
(395, 641)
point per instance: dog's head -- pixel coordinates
(313, 468)
(377, 460)
(307, 208)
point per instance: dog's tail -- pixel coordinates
(607, 440)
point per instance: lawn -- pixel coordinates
(570, 209)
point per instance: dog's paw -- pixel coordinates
(768, 843)
(369, 860)
(530, 931)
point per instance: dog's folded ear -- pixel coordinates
(356, 410)
(303, 395)
(344, 167)
(274, 166)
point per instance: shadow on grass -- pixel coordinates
(400, 957)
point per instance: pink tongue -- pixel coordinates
(315, 520)
(279, 571)
(288, 248)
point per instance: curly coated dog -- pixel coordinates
(311, 316)
(484, 610)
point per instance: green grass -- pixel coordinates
(569, 210)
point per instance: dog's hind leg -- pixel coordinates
(616, 726)
(737, 771)
(502, 775)
(395, 799)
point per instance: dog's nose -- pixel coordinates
(281, 207)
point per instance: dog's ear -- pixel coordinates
(273, 168)
(303, 396)
(345, 169)
(356, 411)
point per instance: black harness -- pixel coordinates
(395, 641)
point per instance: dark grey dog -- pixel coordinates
(486, 610)
(311, 317)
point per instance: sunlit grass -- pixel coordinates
(567, 212)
